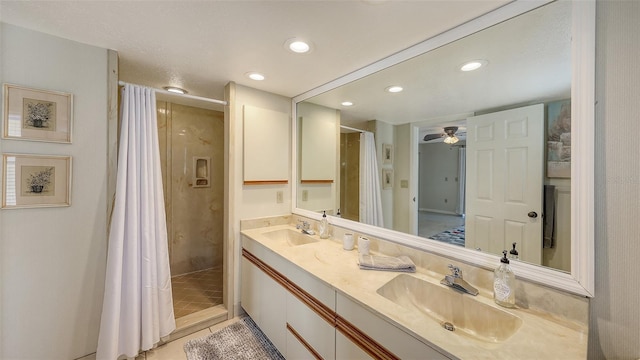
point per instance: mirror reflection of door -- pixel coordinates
(504, 187)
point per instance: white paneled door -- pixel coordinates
(505, 157)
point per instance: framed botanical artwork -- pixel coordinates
(37, 115)
(387, 179)
(35, 181)
(387, 154)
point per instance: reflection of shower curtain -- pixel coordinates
(137, 309)
(462, 179)
(370, 198)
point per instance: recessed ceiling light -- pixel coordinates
(176, 90)
(473, 65)
(298, 46)
(347, 103)
(254, 76)
(394, 89)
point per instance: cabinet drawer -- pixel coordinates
(309, 328)
(398, 342)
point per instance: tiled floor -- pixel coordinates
(174, 350)
(196, 291)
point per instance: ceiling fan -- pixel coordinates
(449, 135)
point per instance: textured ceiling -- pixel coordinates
(202, 45)
(529, 61)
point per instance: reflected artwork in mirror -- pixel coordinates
(481, 158)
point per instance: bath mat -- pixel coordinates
(241, 340)
(453, 236)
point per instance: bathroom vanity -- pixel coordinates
(311, 299)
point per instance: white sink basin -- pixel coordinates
(468, 316)
(290, 237)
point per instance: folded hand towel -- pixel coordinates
(400, 263)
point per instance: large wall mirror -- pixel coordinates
(466, 163)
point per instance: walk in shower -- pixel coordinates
(350, 175)
(191, 153)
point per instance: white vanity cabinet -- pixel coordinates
(306, 318)
(293, 308)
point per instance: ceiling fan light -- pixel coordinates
(451, 139)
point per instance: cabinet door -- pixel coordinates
(265, 301)
(250, 280)
(398, 342)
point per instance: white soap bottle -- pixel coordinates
(324, 226)
(504, 281)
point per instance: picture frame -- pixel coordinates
(387, 154)
(30, 181)
(387, 179)
(37, 115)
(559, 139)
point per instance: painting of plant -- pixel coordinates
(39, 114)
(38, 180)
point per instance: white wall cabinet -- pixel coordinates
(266, 141)
(307, 319)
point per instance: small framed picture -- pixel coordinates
(37, 115)
(387, 154)
(35, 181)
(387, 179)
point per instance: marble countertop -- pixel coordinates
(540, 335)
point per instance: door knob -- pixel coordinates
(532, 214)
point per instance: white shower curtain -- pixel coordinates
(370, 198)
(137, 309)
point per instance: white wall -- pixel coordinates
(250, 201)
(615, 315)
(53, 259)
(439, 165)
(401, 163)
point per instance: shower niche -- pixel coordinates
(201, 171)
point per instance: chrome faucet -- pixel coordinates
(304, 227)
(456, 281)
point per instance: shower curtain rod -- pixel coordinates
(163, 91)
(353, 129)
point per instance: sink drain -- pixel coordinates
(448, 326)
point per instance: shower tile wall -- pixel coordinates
(194, 214)
(350, 176)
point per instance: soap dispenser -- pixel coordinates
(513, 254)
(324, 226)
(504, 281)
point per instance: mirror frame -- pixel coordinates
(580, 280)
